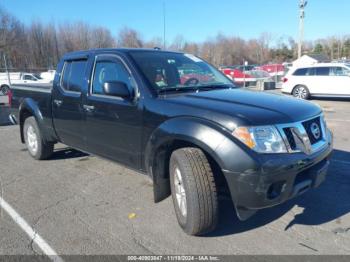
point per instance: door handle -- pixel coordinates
(58, 102)
(88, 108)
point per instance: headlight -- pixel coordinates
(262, 139)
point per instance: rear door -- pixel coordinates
(113, 124)
(68, 116)
(301, 76)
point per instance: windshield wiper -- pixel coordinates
(177, 89)
(194, 88)
(215, 86)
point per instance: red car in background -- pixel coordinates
(273, 69)
(236, 75)
(195, 78)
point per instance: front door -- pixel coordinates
(341, 81)
(321, 81)
(113, 124)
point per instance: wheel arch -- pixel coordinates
(27, 109)
(176, 134)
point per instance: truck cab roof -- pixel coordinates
(85, 53)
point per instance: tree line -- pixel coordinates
(39, 46)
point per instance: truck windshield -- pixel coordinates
(167, 71)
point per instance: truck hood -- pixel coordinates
(247, 107)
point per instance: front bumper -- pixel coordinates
(278, 178)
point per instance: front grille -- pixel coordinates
(290, 138)
(304, 136)
(316, 122)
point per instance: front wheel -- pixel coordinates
(301, 92)
(193, 191)
(37, 147)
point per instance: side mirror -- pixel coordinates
(116, 88)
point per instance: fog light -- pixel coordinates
(276, 189)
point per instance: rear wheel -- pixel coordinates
(301, 92)
(37, 147)
(193, 191)
(4, 89)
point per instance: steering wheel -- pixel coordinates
(191, 81)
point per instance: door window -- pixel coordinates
(29, 77)
(109, 70)
(322, 71)
(74, 75)
(300, 72)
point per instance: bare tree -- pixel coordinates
(178, 44)
(40, 45)
(154, 42)
(12, 38)
(102, 38)
(129, 38)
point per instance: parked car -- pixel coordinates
(18, 78)
(238, 76)
(194, 140)
(49, 75)
(273, 69)
(260, 75)
(328, 80)
(287, 65)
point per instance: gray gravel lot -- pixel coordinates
(80, 204)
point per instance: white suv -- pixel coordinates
(330, 79)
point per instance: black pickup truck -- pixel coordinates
(179, 120)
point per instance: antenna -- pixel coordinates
(302, 6)
(164, 25)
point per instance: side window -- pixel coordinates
(311, 71)
(73, 75)
(109, 70)
(339, 71)
(322, 71)
(29, 77)
(300, 72)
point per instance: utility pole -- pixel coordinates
(302, 6)
(7, 70)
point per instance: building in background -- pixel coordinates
(306, 60)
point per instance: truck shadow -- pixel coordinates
(321, 205)
(4, 115)
(67, 153)
(340, 99)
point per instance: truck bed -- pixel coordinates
(33, 87)
(38, 93)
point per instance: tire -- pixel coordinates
(193, 191)
(37, 147)
(301, 92)
(4, 89)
